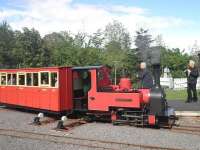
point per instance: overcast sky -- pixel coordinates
(177, 21)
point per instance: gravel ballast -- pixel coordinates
(12, 119)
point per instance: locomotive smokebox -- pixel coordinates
(157, 101)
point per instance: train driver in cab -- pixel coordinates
(145, 77)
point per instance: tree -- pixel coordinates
(28, 48)
(61, 46)
(143, 42)
(6, 45)
(80, 40)
(115, 32)
(111, 47)
(159, 41)
(96, 40)
(175, 60)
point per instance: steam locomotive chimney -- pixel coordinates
(156, 74)
(155, 54)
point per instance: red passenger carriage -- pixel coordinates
(37, 88)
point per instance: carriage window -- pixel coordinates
(44, 78)
(14, 79)
(29, 79)
(21, 79)
(35, 79)
(54, 79)
(8, 79)
(3, 79)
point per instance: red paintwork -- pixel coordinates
(113, 116)
(152, 119)
(66, 89)
(145, 95)
(75, 75)
(125, 84)
(101, 101)
(47, 98)
(105, 79)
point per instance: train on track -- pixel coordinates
(87, 91)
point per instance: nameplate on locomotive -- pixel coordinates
(124, 99)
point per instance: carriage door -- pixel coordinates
(81, 86)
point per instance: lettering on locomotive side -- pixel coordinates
(123, 99)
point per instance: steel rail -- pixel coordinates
(194, 130)
(91, 143)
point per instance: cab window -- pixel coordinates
(9, 79)
(21, 79)
(100, 75)
(14, 79)
(54, 79)
(44, 78)
(29, 79)
(35, 79)
(3, 79)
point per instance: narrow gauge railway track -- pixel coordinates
(194, 130)
(44, 121)
(90, 143)
(6, 110)
(3, 108)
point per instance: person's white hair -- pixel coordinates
(143, 65)
(192, 63)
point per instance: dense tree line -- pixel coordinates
(110, 46)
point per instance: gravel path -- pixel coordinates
(11, 119)
(10, 143)
(180, 105)
(154, 137)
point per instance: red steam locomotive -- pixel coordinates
(86, 90)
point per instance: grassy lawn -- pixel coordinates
(177, 94)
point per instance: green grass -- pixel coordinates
(177, 94)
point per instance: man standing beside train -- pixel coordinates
(145, 77)
(192, 75)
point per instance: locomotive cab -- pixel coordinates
(82, 82)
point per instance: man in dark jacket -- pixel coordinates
(192, 75)
(145, 77)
